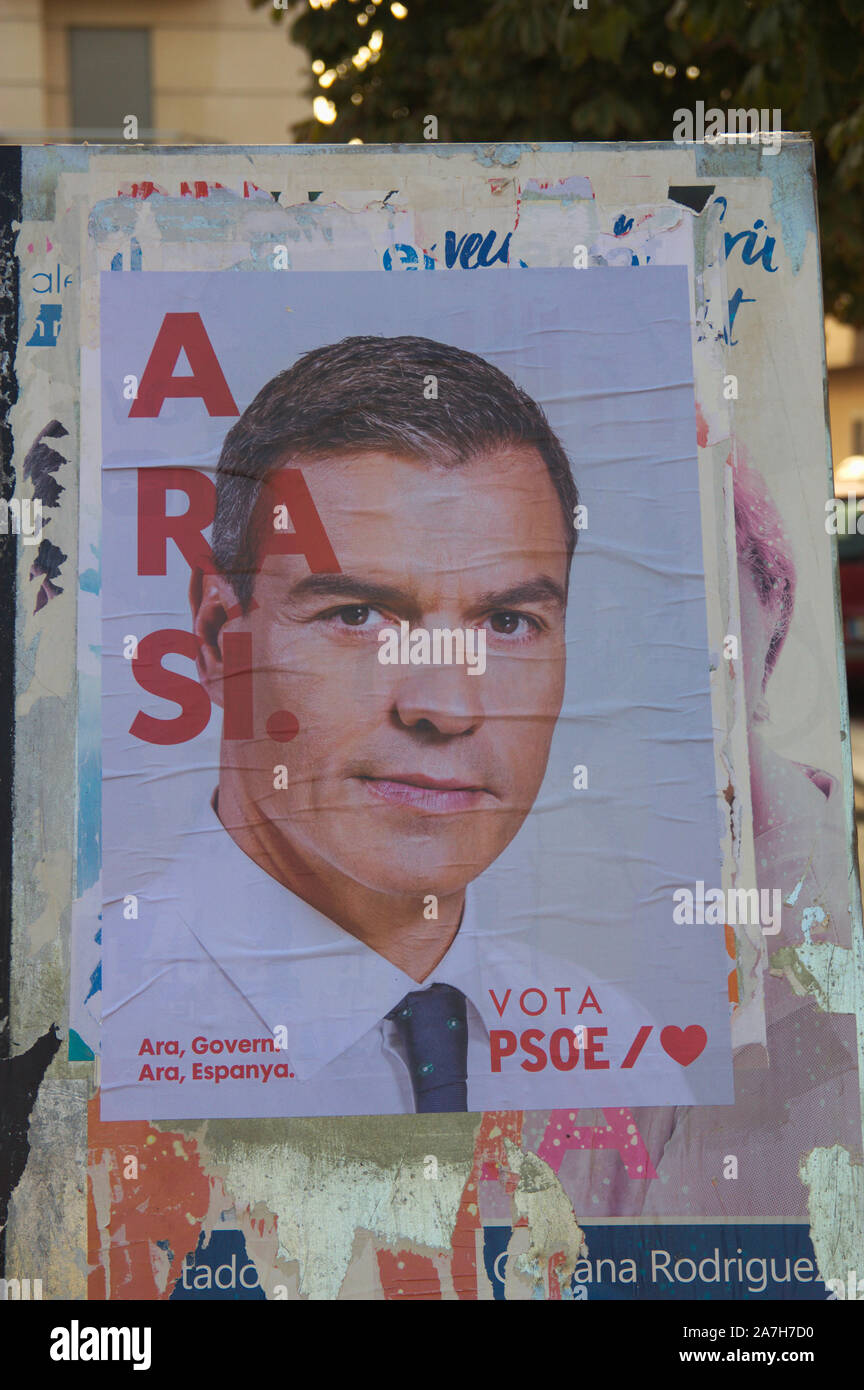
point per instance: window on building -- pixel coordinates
(109, 79)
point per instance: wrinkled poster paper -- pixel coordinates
(338, 820)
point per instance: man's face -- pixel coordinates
(407, 779)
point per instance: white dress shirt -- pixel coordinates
(223, 952)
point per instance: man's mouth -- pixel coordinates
(422, 793)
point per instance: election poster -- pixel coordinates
(430, 599)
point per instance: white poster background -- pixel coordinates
(590, 876)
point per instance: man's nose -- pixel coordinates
(441, 698)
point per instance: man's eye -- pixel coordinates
(355, 614)
(507, 623)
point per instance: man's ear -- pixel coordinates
(210, 598)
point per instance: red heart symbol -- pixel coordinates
(684, 1044)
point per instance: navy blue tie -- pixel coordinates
(433, 1026)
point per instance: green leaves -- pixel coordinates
(542, 70)
(607, 33)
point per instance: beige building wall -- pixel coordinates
(221, 71)
(844, 349)
(22, 65)
(846, 401)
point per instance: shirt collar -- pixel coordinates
(296, 968)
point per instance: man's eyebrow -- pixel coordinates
(541, 589)
(351, 586)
